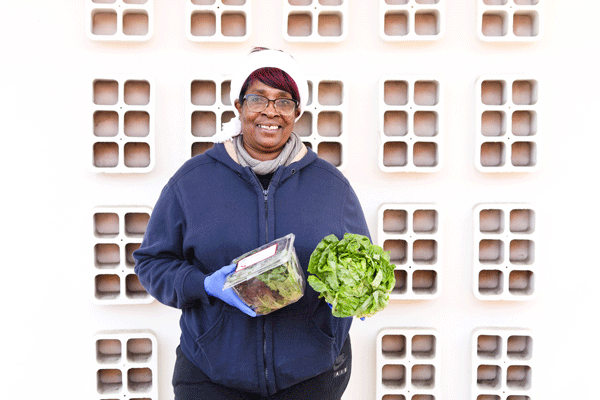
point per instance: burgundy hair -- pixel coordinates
(274, 77)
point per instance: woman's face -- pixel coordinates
(266, 132)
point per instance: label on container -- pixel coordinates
(256, 257)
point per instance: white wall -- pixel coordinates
(48, 67)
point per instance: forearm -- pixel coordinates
(173, 282)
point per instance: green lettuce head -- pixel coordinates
(353, 275)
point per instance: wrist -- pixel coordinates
(194, 287)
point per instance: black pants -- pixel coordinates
(189, 382)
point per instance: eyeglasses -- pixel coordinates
(258, 103)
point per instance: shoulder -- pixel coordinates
(194, 165)
(211, 163)
(326, 170)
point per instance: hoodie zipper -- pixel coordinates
(266, 205)
(265, 355)
(266, 195)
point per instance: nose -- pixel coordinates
(270, 109)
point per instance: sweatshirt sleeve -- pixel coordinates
(166, 272)
(353, 217)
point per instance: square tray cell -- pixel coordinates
(489, 347)
(493, 123)
(426, 92)
(122, 125)
(106, 123)
(136, 155)
(510, 20)
(426, 123)
(504, 261)
(315, 20)
(425, 154)
(411, 234)
(407, 364)
(136, 124)
(502, 365)
(126, 364)
(106, 92)
(524, 123)
(329, 123)
(424, 251)
(395, 123)
(507, 124)
(398, 250)
(394, 221)
(424, 282)
(117, 233)
(330, 152)
(330, 93)
(119, 20)
(136, 92)
(218, 20)
(411, 20)
(394, 154)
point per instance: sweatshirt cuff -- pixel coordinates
(193, 287)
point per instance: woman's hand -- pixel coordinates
(213, 284)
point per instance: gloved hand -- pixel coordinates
(213, 284)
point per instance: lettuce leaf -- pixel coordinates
(272, 289)
(353, 275)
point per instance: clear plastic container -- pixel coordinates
(269, 277)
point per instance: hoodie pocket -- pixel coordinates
(301, 350)
(229, 350)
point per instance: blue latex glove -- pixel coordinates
(213, 284)
(330, 306)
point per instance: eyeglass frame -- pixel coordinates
(274, 103)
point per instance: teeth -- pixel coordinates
(269, 127)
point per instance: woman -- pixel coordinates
(259, 184)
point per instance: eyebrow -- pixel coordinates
(263, 92)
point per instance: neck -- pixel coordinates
(260, 155)
(289, 154)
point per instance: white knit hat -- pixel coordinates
(257, 60)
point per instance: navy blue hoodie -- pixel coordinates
(213, 210)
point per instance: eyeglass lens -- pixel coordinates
(257, 103)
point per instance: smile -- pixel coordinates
(269, 127)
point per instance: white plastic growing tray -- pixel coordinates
(411, 20)
(410, 124)
(126, 365)
(411, 233)
(117, 233)
(504, 261)
(315, 20)
(208, 107)
(507, 123)
(502, 364)
(407, 364)
(119, 20)
(122, 124)
(323, 125)
(218, 20)
(510, 20)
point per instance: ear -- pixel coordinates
(238, 106)
(297, 112)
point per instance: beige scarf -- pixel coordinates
(292, 151)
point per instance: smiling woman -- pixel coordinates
(257, 184)
(266, 132)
